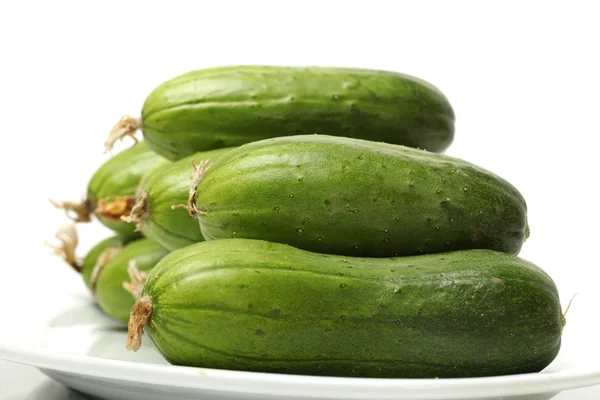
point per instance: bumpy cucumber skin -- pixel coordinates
(252, 305)
(168, 186)
(115, 301)
(119, 176)
(91, 258)
(229, 106)
(358, 198)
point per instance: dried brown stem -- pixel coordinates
(101, 262)
(199, 171)
(139, 209)
(563, 316)
(114, 209)
(78, 212)
(127, 126)
(138, 319)
(67, 236)
(138, 278)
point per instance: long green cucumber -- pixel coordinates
(112, 297)
(112, 187)
(358, 198)
(233, 105)
(252, 305)
(156, 213)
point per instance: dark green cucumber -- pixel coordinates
(258, 306)
(358, 198)
(115, 183)
(112, 298)
(111, 189)
(229, 106)
(164, 188)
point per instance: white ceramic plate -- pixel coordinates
(64, 334)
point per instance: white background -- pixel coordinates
(523, 78)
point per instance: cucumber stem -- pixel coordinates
(127, 126)
(563, 316)
(115, 208)
(137, 211)
(67, 236)
(138, 319)
(77, 212)
(101, 262)
(138, 279)
(199, 171)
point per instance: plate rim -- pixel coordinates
(280, 384)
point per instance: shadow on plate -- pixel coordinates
(111, 344)
(52, 390)
(85, 313)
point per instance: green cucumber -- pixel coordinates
(106, 267)
(155, 212)
(111, 189)
(233, 105)
(110, 294)
(358, 198)
(97, 257)
(252, 305)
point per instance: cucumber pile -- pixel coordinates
(307, 221)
